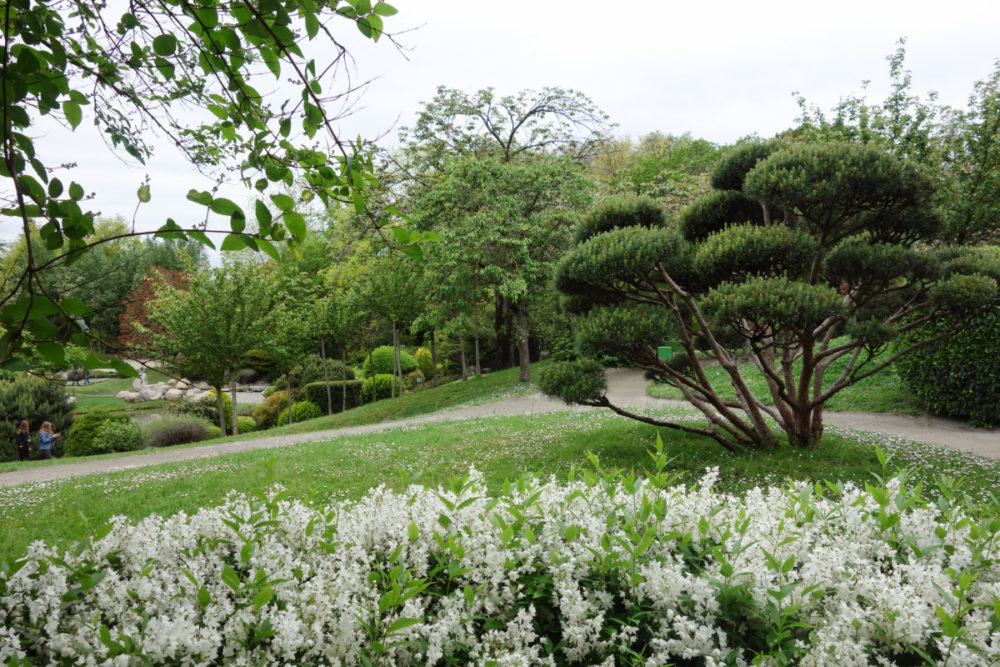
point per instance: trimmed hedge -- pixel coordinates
(301, 411)
(177, 430)
(377, 388)
(89, 435)
(315, 392)
(958, 376)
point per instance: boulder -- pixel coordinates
(129, 396)
(173, 394)
(137, 384)
(151, 392)
(247, 376)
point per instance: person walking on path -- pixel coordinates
(76, 376)
(46, 440)
(22, 438)
(86, 376)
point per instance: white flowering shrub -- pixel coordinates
(603, 569)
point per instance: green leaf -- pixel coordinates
(402, 235)
(53, 353)
(269, 248)
(73, 113)
(204, 597)
(414, 252)
(359, 201)
(75, 307)
(402, 624)
(296, 224)
(283, 202)
(200, 197)
(143, 193)
(165, 45)
(413, 531)
(384, 9)
(202, 238)
(123, 368)
(224, 206)
(312, 25)
(262, 598)
(230, 578)
(234, 242)
(263, 215)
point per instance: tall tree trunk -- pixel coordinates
(288, 375)
(475, 330)
(504, 332)
(236, 428)
(222, 410)
(343, 379)
(522, 341)
(434, 359)
(461, 348)
(326, 376)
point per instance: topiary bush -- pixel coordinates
(246, 424)
(176, 430)
(621, 211)
(316, 392)
(958, 376)
(425, 362)
(37, 400)
(301, 411)
(87, 437)
(382, 357)
(377, 388)
(577, 381)
(266, 413)
(311, 370)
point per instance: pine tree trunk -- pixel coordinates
(504, 335)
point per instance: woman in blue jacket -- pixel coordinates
(46, 440)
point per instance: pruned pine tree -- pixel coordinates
(804, 255)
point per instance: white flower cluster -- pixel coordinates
(600, 571)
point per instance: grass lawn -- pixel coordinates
(882, 392)
(501, 447)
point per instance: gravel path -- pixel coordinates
(626, 388)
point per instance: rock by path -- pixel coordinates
(626, 387)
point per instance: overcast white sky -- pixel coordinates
(719, 70)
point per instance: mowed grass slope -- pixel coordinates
(504, 448)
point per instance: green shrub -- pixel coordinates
(207, 407)
(316, 393)
(259, 360)
(37, 400)
(382, 357)
(573, 381)
(214, 432)
(115, 435)
(266, 413)
(425, 362)
(86, 437)
(958, 376)
(301, 411)
(620, 211)
(177, 430)
(309, 371)
(246, 424)
(562, 349)
(377, 388)
(413, 379)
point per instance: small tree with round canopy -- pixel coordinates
(832, 263)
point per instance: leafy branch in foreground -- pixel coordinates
(190, 73)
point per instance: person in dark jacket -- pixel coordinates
(22, 439)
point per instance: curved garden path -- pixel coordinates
(625, 387)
